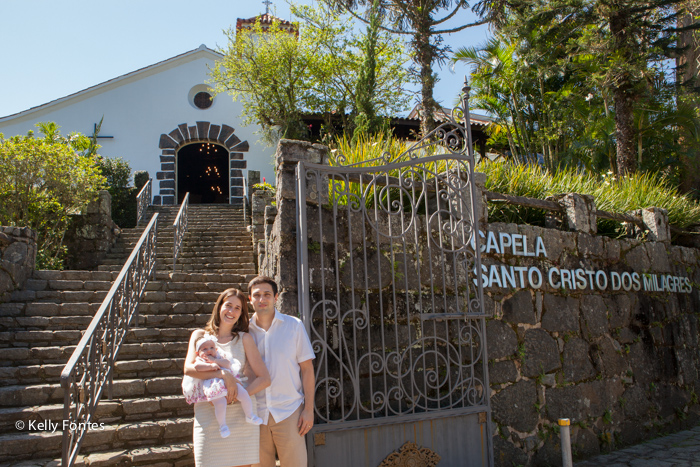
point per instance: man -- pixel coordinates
(287, 405)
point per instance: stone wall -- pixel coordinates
(17, 258)
(280, 261)
(614, 346)
(622, 365)
(91, 234)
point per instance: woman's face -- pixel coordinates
(230, 310)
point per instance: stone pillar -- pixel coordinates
(270, 214)
(481, 206)
(259, 201)
(579, 212)
(17, 258)
(281, 253)
(656, 220)
(91, 234)
(253, 179)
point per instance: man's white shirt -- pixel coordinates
(282, 348)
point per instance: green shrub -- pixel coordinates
(612, 194)
(622, 195)
(117, 172)
(141, 177)
(42, 181)
(264, 186)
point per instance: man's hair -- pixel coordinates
(262, 280)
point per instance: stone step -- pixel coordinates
(148, 422)
(59, 355)
(84, 275)
(191, 246)
(214, 269)
(165, 263)
(74, 275)
(174, 294)
(61, 323)
(146, 435)
(108, 411)
(58, 296)
(204, 249)
(208, 230)
(167, 455)
(63, 284)
(51, 373)
(167, 243)
(93, 286)
(206, 254)
(46, 338)
(52, 393)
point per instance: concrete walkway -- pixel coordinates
(679, 449)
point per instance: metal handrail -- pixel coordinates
(90, 368)
(143, 200)
(245, 201)
(179, 228)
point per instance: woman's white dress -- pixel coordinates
(242, 447)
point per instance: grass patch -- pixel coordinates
(613, 194)
(625, 194)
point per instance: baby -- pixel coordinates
(214, 390)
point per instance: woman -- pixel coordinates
(229, 323)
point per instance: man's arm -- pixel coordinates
(308, 384)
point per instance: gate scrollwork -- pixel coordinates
(388, 283)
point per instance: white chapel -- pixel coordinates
(164, 119)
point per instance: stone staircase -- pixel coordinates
(147, 422)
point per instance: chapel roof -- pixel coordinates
(136, 74)
(266, 20)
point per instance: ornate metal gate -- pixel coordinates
(387, 259)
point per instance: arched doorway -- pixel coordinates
(220, 137)
(203, 171)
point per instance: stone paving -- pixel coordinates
(679, 449)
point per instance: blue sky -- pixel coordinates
(52, 48)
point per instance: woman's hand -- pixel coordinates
(231, 386)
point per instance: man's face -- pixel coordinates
(262, 298)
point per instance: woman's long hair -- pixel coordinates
(241, 325)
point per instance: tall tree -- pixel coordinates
(364, 72)
(623, 43)
(279, 76)
(366, 121)
(688, 65)
(559, 108)
(423, 21)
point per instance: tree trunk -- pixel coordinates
(425, 56)
(623, 95)
(624, 125)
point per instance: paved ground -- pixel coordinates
(680, 449)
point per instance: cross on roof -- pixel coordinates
(267, 4)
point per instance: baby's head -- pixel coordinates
(206, 346)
